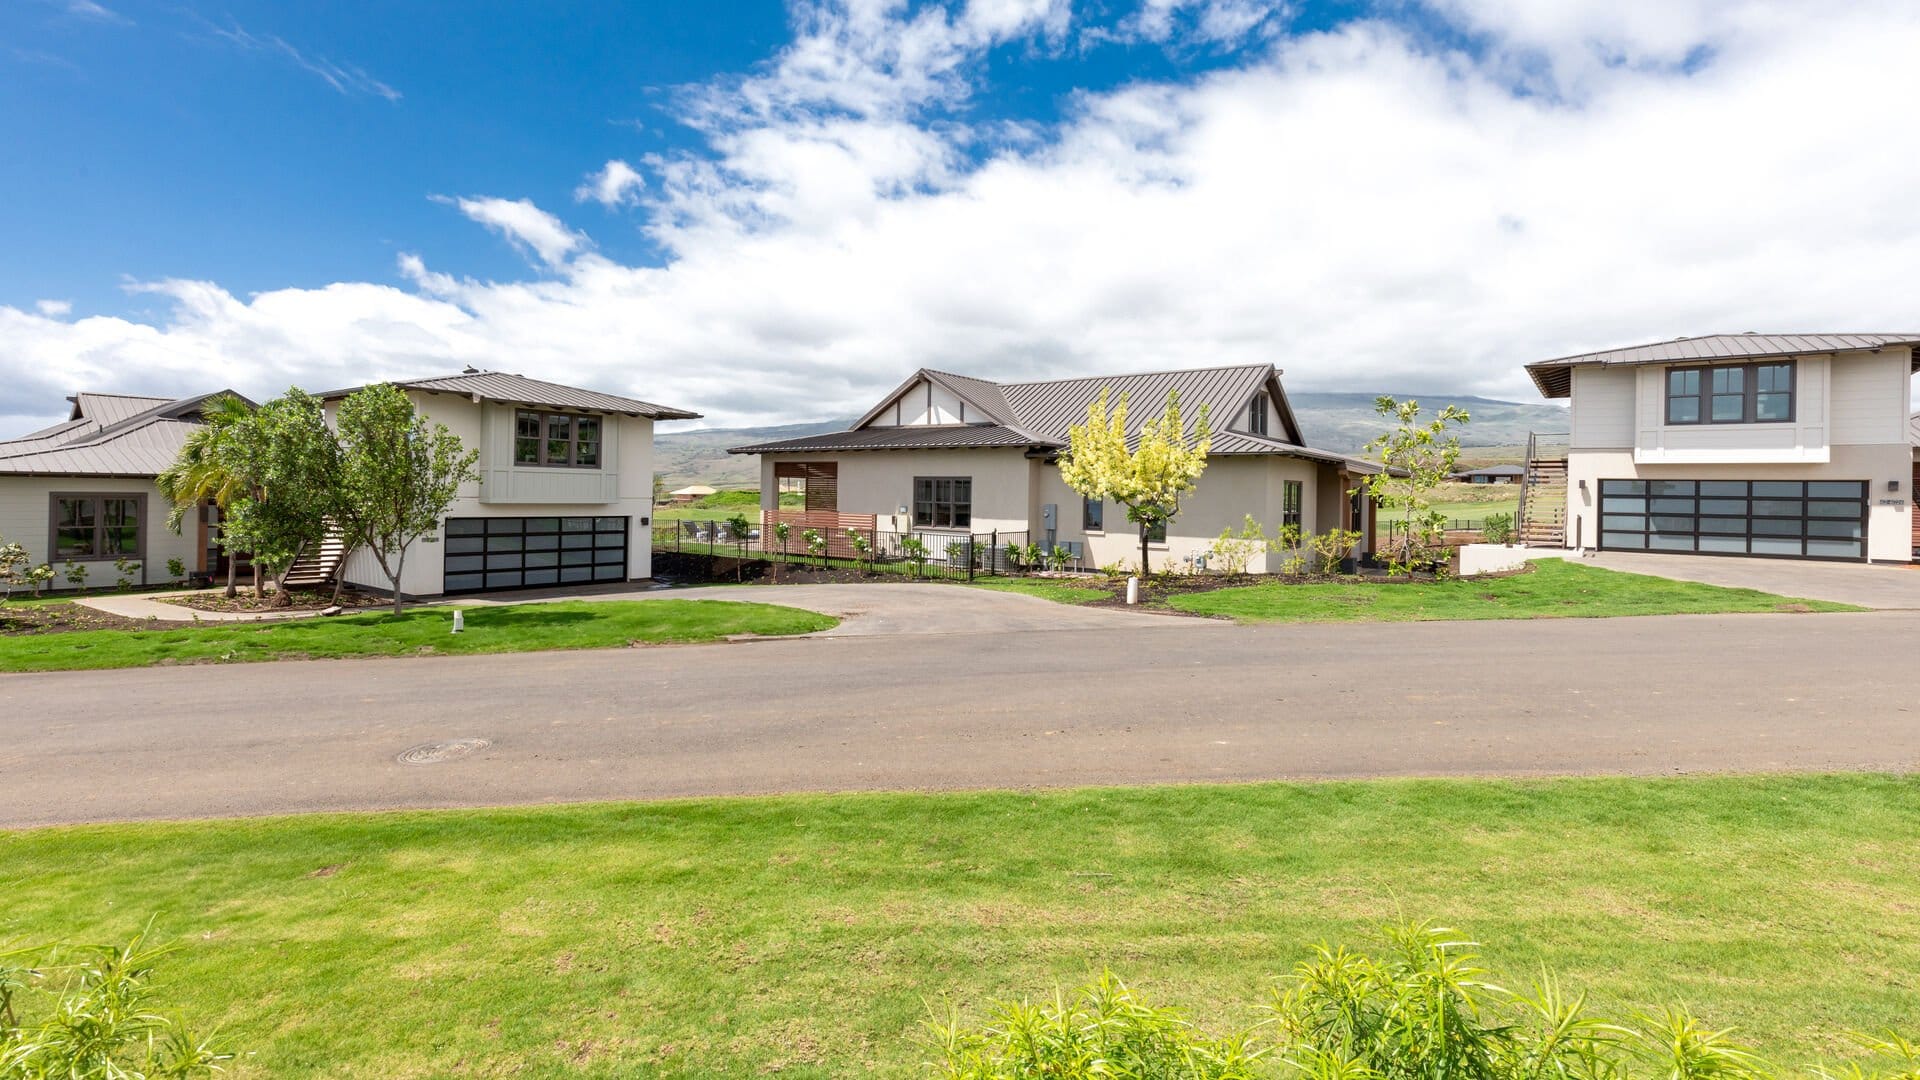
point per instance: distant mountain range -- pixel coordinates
(1339, 422)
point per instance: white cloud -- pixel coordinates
(529, 228)
(88, 9)
(1365, 208)
(348, 79)
(616, 184)
(1214, 22)
(53, 309)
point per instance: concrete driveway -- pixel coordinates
(1147, 700)
(1889, 586)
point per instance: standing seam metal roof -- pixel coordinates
(520, 390)
(1554, 379)
(136, 443)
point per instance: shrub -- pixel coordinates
(76, 575)
(13, 567)
(176, 570)
(1425, 1010)
(1498, 528)
(862, 547)
(1058, 558)
(816, 544)
(739, 526)
(915, 549)
(1234, 550)
(1334, 545)
(125, 568)
(1104, 1030)
(101, 1023)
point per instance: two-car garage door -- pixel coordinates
(532, 552)
(1806, 519)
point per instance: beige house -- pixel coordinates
(81, 492)
(947, 458)
(564, 494)
(1781, 445)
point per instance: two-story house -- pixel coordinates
(564, 494)
(954, 460)
(1782, 445)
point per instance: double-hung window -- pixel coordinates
(1257, 414)
(1093, 515)
(1731, 394)
(556, 439)
(87, 526)
(1292, 497)
(943, 502)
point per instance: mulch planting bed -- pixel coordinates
(298, 600)
(58, 618)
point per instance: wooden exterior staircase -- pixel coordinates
(317, 565)
(1542, 518)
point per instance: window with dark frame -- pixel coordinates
(96, 527)
(556, 440)
(1093, 515)
(943, 502)
(1731, 394)
(1292, 496)
(1257, 414)
(1157, 532)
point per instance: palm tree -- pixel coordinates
(199, 474)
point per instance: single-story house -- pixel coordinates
(1777, 445)
(564, 494)
(690, 493)
(946, 457)
(1492, 474)
(82, 491)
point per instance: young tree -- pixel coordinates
(1417, 456)
(291, 461)
(1149, 479)
(13, 567)
(397, 476)
(202, 472)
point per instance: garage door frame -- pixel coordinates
(489, 554)
(1625, 503)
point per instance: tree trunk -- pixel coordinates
(399, 568)
(233, 576)
(258, 592)
(1143, 549)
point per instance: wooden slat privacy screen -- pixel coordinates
(822, 479)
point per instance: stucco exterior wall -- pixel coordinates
(1010, 490)
(26, 518)
(1890, 512)
(623, 489)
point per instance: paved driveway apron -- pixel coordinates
(1890, 586)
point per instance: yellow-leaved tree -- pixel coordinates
(1150, 477)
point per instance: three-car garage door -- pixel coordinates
(530, 552)
(1804, 519)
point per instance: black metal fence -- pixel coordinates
(921, 554)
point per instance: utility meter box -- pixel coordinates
(1049, 515)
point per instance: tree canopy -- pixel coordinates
(1150, 477)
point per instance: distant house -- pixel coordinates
(1493, 474)
(1783, 445)
(948, 458)
(82, 491)
(690, 493)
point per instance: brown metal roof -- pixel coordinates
(1555, 377)
(1038, 414)
(911, 437)
(107, 438)
(512, 389)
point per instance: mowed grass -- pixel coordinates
(810, 935)
(422, 631)
(1554, 588)
(1059, 591)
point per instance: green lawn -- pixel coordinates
(809, 935)
(1057, 590)
(1555, 588)
(575, 624)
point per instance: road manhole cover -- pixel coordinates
(434, 753)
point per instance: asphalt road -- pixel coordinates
(1144, 703)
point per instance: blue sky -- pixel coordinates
(801, 201)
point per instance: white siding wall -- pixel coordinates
(1868, 394)
(924, 403)
(1602, 412)
(880, 482)
(628, 451)
(26, 518)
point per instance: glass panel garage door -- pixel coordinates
(530, 552)
(1806, 519)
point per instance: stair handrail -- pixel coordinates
(1526, 484)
